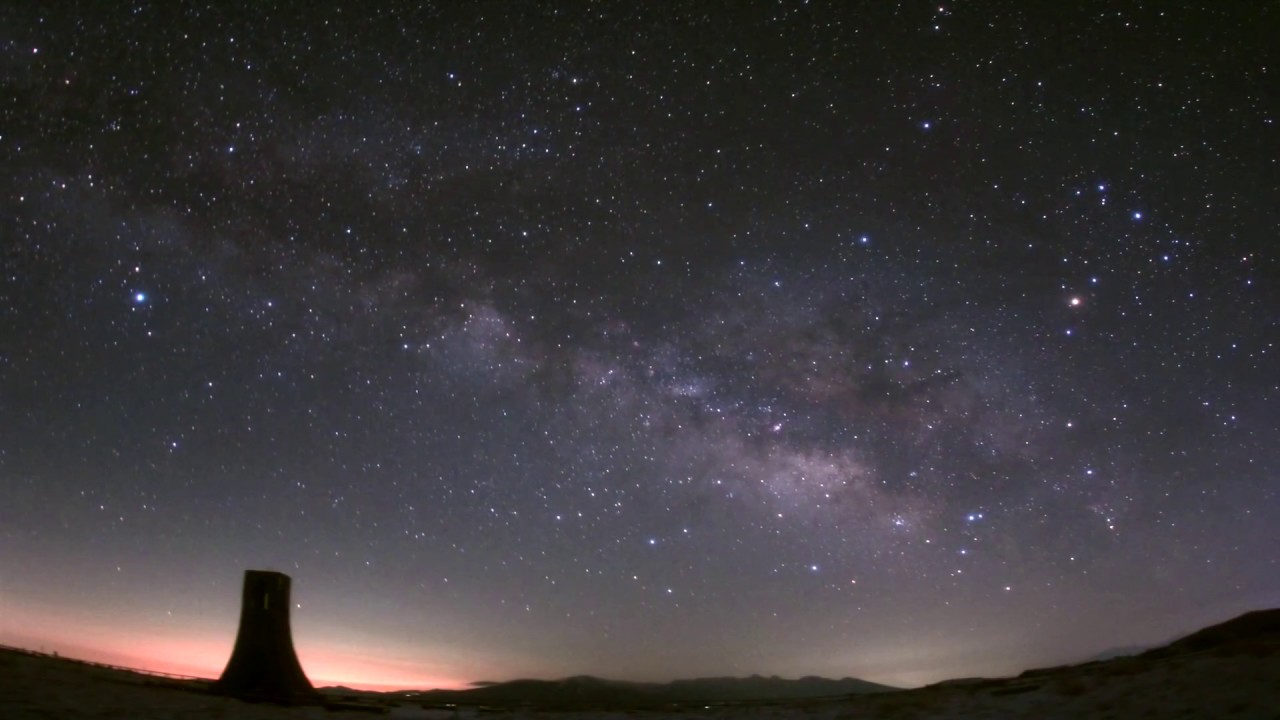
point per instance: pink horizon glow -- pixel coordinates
(203, 650)
(206, 656)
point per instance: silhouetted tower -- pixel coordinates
(263, 665)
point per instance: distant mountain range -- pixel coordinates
(586, 692)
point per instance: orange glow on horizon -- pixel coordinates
(330, 667)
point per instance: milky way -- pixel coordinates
(904, 341)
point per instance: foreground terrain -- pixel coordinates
(1230, 670)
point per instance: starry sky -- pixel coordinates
(898, 340)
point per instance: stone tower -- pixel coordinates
(263, 665)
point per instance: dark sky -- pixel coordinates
(897, 340)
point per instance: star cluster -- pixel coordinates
(896, 340)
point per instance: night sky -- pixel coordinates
(899, 340)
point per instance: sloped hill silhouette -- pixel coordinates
(1253, 631)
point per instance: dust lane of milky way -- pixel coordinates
(899, 341)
